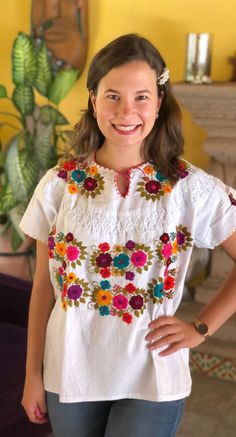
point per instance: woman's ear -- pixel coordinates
(93, 99)
(160, 98)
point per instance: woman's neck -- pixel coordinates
(117, 160)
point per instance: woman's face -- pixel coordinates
(126, 104)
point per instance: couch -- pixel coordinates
(14, 303)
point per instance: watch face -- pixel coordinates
(202, 329)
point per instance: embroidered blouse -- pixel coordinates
(116, 263)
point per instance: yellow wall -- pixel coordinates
(166, 23)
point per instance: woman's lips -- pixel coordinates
(126, 129)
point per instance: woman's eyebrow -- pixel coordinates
(109, 90)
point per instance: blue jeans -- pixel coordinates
(121, 418)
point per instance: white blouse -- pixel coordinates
(116, 263)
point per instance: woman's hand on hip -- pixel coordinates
(173, 333)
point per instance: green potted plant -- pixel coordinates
(38, 131)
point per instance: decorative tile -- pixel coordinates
(212, 365)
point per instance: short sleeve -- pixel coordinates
(43, 207)
(214, 212)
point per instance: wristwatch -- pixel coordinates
(201, 328)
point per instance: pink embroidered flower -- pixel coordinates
(72, 253)
(104, 247)
(50, 254)
(127, 318)
(136, 302)
(61, 270)
(120, 302)
(167, 250)
(139, 258)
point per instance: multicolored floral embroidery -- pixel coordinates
(121, 260)
(69, 253)
(154, 185)
(120, 302)
(81, 177)
(163, 287)
(232, 199)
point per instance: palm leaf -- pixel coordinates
(62, 84)
(44, 73)
(24, 60)
(48, 115)
(23, 99)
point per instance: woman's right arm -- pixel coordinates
(41, 304)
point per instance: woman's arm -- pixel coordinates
(177, 334)
(41, 304)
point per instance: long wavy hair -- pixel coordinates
(164, 144)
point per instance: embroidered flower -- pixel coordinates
(72, 253)
(104, 260)
(78, 175)
(51, 243)
(104, 247)
(73, 189)
(129, 276)
(180, 238)
(169, 283)
(139, 258)
(62, 174)
(183, 170)
(60, 248)
(105, 285)
(69, 237)
(71, 277)
(158, 290)
(159, 176)
(148, 169)
(104, 310)
(130, 245)
(136, 302)
(69, 165)
(127, 318)
(74, 292)
(164, 238)
(64, 305)
(120, 302)
(92, 170)
(152, 186)
(105, 273)
(121, 261)
(232, 199)
(130, 288)
(167, 250)
(104, 297)
(90, 184)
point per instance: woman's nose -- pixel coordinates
(125, 108)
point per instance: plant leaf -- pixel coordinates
(24, 60)
(23, 99)
(16, 215)
(7, 201)
(16, 239)
(62, 84)
(48, 115)
(44, 148)
(44, 73)
(3, 92)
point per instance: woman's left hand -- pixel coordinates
(173, 333)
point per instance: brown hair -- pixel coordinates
(164, 144)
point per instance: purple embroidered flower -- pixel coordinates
(136, 302)
(78, 175)
(90, 184)
(121, 261)
(180, 238)
(130, 245)
(232, 199)
(152, 186)
(69, 237)
(139, 258)
(120, 302)
(104, 260)
(129, 276)
(62, 174)
(74, 292)
(51, 243)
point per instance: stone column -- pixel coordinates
(213, 107)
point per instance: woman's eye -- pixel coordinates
(141, 97)
(113, 97)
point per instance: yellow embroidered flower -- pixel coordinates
(60, 248)
(174, 247)
(73, 189)
(167, 189)
(92, 170)
(71, 277)
(149, 170)
(64, 305)
(103, 297)
(118, 248)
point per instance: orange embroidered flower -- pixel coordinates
(149, 170)
(167, 189)
(60, 248)
(73, 189)
(92, 170)
(174, 247)
(103, 297)
(64, 305)
(71, 277)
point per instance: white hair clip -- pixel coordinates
(164, 76)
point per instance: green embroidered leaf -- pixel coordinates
(76, 302)
(62, 84)
(23, 99)
(24, 61)
(136, 313)
(44, 72)
(73, 265)
(48, 115)
(3, 92)
(82, 300)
